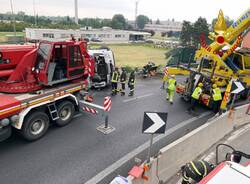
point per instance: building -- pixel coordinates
(96, 35)
(164, 26)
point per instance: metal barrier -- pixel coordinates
(103, 111)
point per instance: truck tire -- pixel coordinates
(66, 111)
(5, 133)
(35, 126)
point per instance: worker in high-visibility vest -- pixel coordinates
(171, 88)
(131, 83)
(217, 97)
(114, 81)
(195, 97)
(165, 77)
(195, 170)
(123, 79)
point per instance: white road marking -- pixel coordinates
(138, 97)
(100, 176)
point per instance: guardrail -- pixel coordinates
(170, 158)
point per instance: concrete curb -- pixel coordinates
(192, 145)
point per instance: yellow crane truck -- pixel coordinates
(221, 62)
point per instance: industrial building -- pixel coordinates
(164, 26)
(98, 35)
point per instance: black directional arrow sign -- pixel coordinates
(154, 122)
(237, 87)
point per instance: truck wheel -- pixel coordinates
(66, 111)
(35, 126)
(5, 133)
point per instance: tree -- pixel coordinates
(170, 33)
(158, 21)
(141, 20)
(118, 22)
(200, 27)
(186, 33)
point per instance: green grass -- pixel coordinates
(137, 55)
(3, 34)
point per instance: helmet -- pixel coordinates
(173, 76)
(214, 86)
(200, 84)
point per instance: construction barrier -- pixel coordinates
(99, 110)
(170, 158)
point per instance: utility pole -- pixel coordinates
(13, 19)
(136, 10)
(76, 12)
(34, 9)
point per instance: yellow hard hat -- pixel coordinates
(214, 86)
(200, 84)
(173, 76)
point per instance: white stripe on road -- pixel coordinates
(100, 176)
(138, 97)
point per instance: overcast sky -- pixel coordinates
(163, 9)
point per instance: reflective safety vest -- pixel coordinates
(171, 84)
(115, 76)
(217, 94)
(197, 92)
(131, 80)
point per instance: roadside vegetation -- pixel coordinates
(136, 55)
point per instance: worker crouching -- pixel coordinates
(131, 83)
(171, 88)
(114, 81)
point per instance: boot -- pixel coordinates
(131, 93)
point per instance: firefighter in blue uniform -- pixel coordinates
(123, 79)
(195, 170)
(114, 81)
(131, 83)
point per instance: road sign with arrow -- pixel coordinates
(154, 122)
(237, 87)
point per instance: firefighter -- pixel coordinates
(131, 83)
(171, 89)
(165, 77)
(195, 97)
(123, 79)
(114, 81)
(217, 97)
(195, 170)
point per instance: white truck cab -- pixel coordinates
(104, 66)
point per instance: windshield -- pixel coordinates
(42, 55)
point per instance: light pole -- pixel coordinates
(13, 19)
(34, 9)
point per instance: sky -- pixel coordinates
(163, 9)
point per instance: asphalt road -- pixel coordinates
(76, 153)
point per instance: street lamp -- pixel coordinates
(13, 18)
